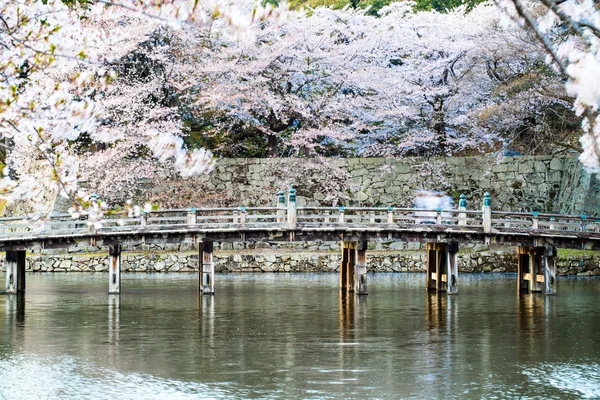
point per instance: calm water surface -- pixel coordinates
(295, 336)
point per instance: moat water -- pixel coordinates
(284, 336)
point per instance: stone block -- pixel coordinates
(526, 167)
(360, 196)
(557, 164)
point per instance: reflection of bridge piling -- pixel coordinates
(114, 308)
(15, 318)
(352, 326)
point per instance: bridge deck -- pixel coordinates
(306, 223)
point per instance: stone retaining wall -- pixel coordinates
(533, 183)
(377, 261)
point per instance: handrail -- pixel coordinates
(307, 217)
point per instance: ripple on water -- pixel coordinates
(582, 380)
(27, 376)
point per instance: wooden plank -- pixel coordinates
(440, 260)
(343, 267)
(452, 268)
(361, 269)
(352, 268)
(206, 269)
(550, 270)
(537, 268)
(436, 246)
(114, 272)
(430, 265)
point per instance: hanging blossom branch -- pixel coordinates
(577, 57)
(52, 66)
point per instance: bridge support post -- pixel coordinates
(347, 266)
(550, 270)
(441, 265)
(452, 269)
(361, 268)
(114, 269)
(530, 275)
(206, 269)
(15, 271)
(431, 265)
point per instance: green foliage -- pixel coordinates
(572, 253)
(445, 5)
(376, 5)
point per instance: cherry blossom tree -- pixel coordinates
(106, 93)
(343, 82)
(55, 62)
(570, 32)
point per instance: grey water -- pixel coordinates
(288, 336)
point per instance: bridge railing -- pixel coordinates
(215, 218)
(534, 221)
(385, 216)
(249, 218)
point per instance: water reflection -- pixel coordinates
(206, 324)
(15, 318)
(352, 328)
(268, 336)
(114, 310)
(15, 310)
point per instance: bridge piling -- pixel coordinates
(206, 269)
(550, 270)
(452, 268)
(442, 269)
(436, 256)
(431, 265)
(114, 269)
(348, 265)
(361, 268)
(531, 274)
(15, 271)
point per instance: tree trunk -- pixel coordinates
(273, 145)
(439, 124)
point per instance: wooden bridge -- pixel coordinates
(537, 235)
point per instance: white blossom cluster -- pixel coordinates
(576, 52)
